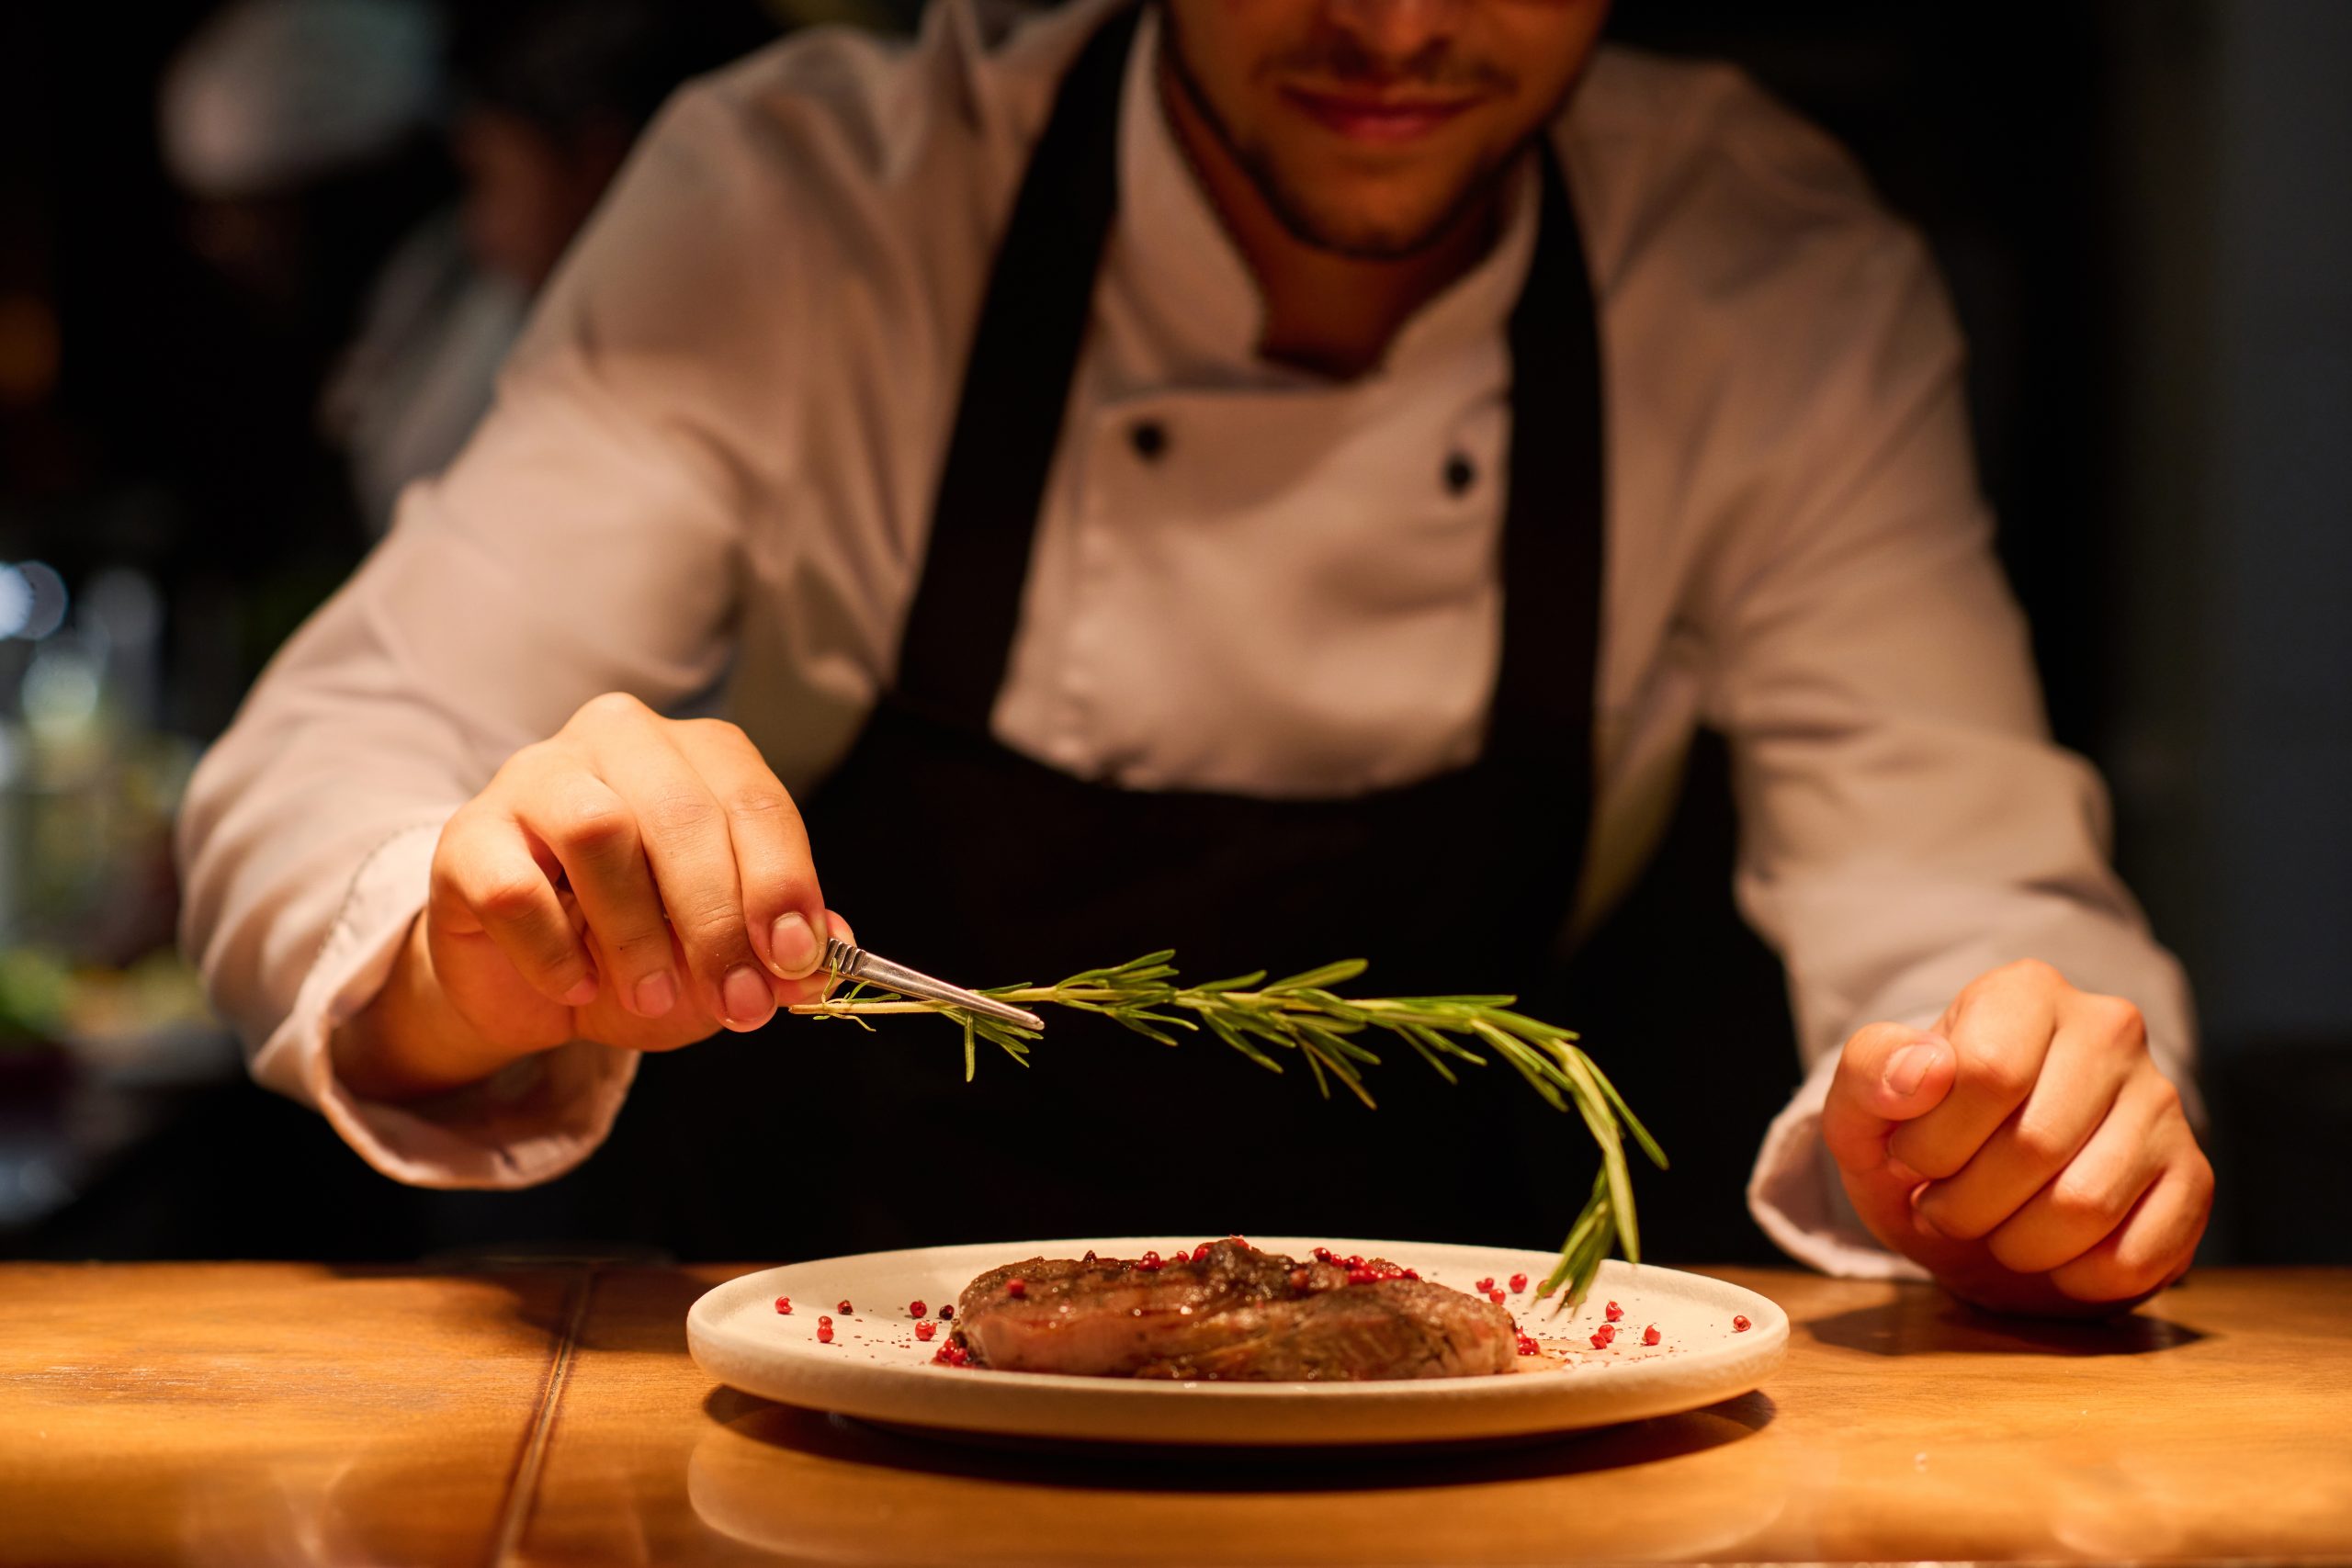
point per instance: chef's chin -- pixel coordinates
(1388, 215)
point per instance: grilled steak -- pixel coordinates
(1235, 1314)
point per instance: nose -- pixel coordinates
(1396, 28)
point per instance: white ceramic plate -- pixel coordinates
(876, 1369)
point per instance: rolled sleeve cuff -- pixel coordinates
(527, 1124)
(1797, 1197)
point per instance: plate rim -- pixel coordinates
(1060, 1404)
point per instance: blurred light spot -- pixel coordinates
(28, 350)
(269, 95)
(61, 689)
(39, 1182)
(15, 602)
(125, 603)
(49, 600)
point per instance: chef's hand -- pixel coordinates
(2025, 1150)
(634, 880)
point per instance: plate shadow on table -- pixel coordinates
(1921, 1321)
(1174, 1468)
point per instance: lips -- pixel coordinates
(1369, 117)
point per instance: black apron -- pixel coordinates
(958, 855)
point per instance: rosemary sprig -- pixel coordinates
(1303, 1016)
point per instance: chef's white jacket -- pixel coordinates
(711, 461)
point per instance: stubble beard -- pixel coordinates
(1296, 211)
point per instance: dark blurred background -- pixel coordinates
(259, 260)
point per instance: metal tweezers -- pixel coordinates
(853, 963)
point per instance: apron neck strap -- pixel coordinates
(1554, 525)
(959, 632)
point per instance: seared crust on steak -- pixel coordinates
(1237, 1314)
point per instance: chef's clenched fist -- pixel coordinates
(633, 879)
(2025, 1151)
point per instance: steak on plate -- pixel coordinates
(1234, 1314)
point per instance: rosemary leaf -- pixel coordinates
(1625, 1111)
(1232, 1036)
(1315, 1064)
(1436, 1061)
(1603, 1122)
(1337, 973)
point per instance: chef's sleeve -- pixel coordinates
(586, 541)
(1908, 824)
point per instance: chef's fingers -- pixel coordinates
(783, 909)
(592, 832)
(607, 1025)
(2087, 1200)
(1887, 1075)
(2097, 1047)
(684, 831)
(488, 879)
(2154, 1245)
(2000, 1030)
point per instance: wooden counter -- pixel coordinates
(249, 1413)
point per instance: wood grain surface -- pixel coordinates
(286, 1413)
(265, 1413)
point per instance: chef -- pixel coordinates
(1282, 480)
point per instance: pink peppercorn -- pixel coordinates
(1519, 1282)
(925, 1330)
(843, 1307)
(1739, 1325)
(1496, 1297)
(1649, 1335)
(916, 1309)
(1016, 1288)
(1614, 1312)
(947, 1310)
(784, 1305)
